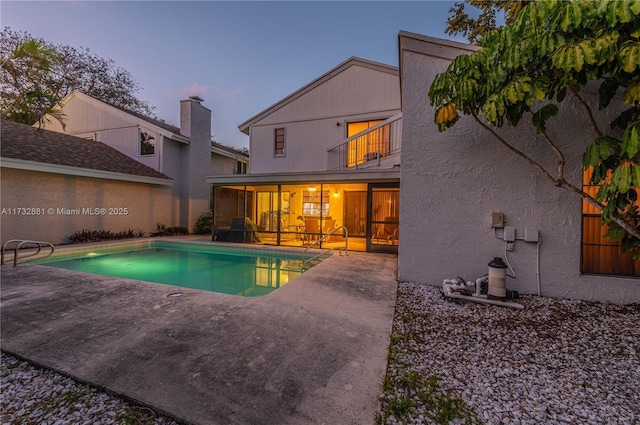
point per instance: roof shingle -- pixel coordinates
(27, 143)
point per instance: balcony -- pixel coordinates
(376, 146)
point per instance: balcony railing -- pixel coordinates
(373, 144)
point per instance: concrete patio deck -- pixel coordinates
(312, 352)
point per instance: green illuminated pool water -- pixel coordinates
(229, 272)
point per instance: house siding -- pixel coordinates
(87, 117)
(311, 120)
(146, 205)
(221, 165)
(452, 181)
(355, 90)
(84, 119)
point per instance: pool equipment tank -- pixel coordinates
(496, 292)
(497, 279)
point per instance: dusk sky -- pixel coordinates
(240, 57)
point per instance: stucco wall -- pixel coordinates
(451, 181)
(58, 195)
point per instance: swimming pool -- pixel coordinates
(247, 273)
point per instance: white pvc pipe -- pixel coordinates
(538, 263)
(479, 285)
(449, 284)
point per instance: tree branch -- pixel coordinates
(558, 153)
(556, 150)
(561, 182)
(590, 117)
(516, 151)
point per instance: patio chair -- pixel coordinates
(311, 229)
(329, 225)
(386, 234)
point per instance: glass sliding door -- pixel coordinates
(384, 214)
(355, 212)
(266, 211)
(272, 212)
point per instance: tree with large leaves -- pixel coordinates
(36, 75)
(483, 17)
(551, 50)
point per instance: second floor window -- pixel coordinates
(279, 142)
(241, 167)
(147, 143)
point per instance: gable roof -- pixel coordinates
(168, 130)
(154, 121)
(171, 131)
(216, 147)
(228, 151)
(353, 61)
(24, 146)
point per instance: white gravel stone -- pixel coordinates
(31, 395)
(555, 362)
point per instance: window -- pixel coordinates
(241, 167)
(370, 146)
(600, 255)
(279, 142)
(314, 202)
(147, 143)
(354, 128)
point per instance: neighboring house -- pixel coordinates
(452, 181)
(54, 185)
(325, 156)
(187, 153)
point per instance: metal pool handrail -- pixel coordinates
(19, 244)
(340, 249)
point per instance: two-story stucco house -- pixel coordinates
(187, 153)
(331, 153)
(325, 156)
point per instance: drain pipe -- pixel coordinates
(451, 285)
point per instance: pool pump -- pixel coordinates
(495, 293)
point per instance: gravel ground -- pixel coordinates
(555, 362)
(32, 395)
(450, 362)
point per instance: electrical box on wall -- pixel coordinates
(497, 220)
(509, 234)
(530, 235)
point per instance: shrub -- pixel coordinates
(178, 230)
(203, 223)
(87, 236)
(163, 230)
